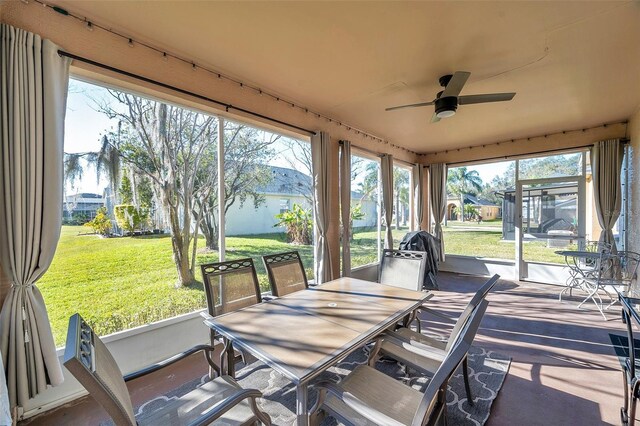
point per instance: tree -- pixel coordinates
(246, 152)
(101, 224)
(299, 159)
(461, 181)
(299, 224)
(401, 192)
(165, 144)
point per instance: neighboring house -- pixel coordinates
(485, 208)
(286, 188)
(83, 206)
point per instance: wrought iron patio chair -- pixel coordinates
(612, 270)
(229, 286)
(286, 273)
(425, 354)
(369, 397)
(581, 267)
(630, 368)
(220, 400)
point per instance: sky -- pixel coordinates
(85, 125)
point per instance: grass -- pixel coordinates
(489, 244)
(120, 283)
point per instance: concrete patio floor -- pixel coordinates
(563, 372)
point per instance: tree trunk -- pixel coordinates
(462, 207)
(397, 210)
(209, 229)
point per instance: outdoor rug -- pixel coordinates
(487, 371)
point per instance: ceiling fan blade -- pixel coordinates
(489, 97)
(435, 118)
(409, 106)
(455, 85)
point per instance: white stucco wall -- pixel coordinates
(246, 219)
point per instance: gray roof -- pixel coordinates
(472, 199)
(285, 181)
(288, 181)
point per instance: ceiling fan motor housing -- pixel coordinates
(449, 103)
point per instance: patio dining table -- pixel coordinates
(304, 333)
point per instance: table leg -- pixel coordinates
(227, 359)
(302, 410)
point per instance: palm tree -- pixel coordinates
(461, 181)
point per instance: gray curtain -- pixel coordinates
(418, 193)
(345, 205)
(321, 195)
(386, 177)
(438, 196)
(33, 96)
(606, 162)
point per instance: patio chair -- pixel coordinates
(425, 354)
(612, 270)
(286, 273)
(229, 286)
(221, 400)
(369, 397)
(630, 373)
(403, 268)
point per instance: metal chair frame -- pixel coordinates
(218, 269)
(272, 260)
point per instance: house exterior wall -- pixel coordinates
(246, 219)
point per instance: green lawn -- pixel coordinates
(488, 243)
(119, 283)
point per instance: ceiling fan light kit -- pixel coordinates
(446, 107)
(447, 101)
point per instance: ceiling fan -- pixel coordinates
(447, 100)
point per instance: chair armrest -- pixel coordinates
(225, 405)
(353, 402)
(159, 365)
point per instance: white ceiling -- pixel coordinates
(572, 64)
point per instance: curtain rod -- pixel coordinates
(377, 154)
(183, 91)
(512, 157)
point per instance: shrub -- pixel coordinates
(101, 224)
(299, 224)
(131, 218)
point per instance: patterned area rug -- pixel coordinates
(487, 371)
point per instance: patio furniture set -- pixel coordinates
(599, 270)
(300, 331)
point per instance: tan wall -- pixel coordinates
(633, 225)
(534, 144)
(108, 49)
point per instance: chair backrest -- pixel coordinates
(631, 317)
(484, 290)
(433, 402)
(403, 268)
(597, 246)
(464, 317)
(230, 285)
(626, 266)
(89, 360)
(286, 273)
